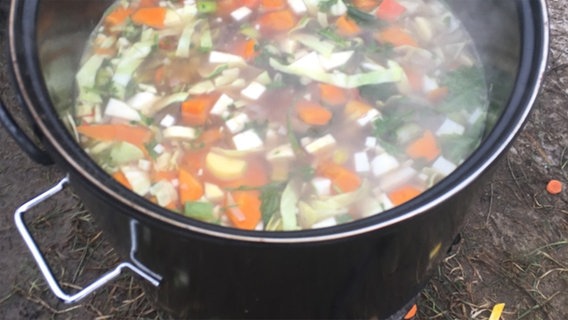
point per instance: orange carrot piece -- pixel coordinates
(554, 186)
(118, 16)
(341, 177)
(332, 95)
(120, 177)
(190, 188)
(347, 27)
(273, 4)
(244, 209)
(153, 17)
(313, 113)
(195, 111)
(156, 176)
(136, 135)
(246, 49)
(415, 78)
(438, 94)
(396, 36)
(365, 5)
(277, 21)
(355, 109)
(424, 147)
(403, 194)
(390, 10)
(411, 313)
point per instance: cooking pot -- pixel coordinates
(370, 268)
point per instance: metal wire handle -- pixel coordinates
(44, 267)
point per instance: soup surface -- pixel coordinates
(279, 115)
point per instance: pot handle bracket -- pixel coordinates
(44, 267)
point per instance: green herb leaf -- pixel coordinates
(270, 200)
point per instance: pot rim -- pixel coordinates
(532, 65)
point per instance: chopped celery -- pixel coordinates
(123, 152)
(200, 210)
(206, 6)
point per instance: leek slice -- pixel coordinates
(288, 205)
(309, 66)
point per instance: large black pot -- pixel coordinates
(371, 268)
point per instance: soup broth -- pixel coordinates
(279, 115)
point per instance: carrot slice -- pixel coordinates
(347, 27)
(355, 109)
(365, 5)
(153, 17)
(277, 21)
(120, 177)
(246, 49)
(341, 177)
(390, 10)
(118, 16)
(415, 78)
(195, 111)
(243, 209)
(313, 113)
(403, 194)
(424, 147)
(411, 313)
(554, 186)
(438, 94)
(190, 188)
(332, 95)
(396, 36)
(136, 135)
(273, 4)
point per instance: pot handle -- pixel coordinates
(36, 153)
(44, 267)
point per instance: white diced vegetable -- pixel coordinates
(144, 164)
(168, 120)
(237, 123)
(165, 192)
(142, 100)
(221, 105)
(383, 163)
(449, 126)
(369, 117)
(430, 84)
(119, 109)
(370, 142)
(222, 57)
(283, 152)
(338, 9)
(158, 148)
(213, 192)
(253, 91)
(247, 140)
(322, 186)
(361, 160)
(423, 28)
(241, 13)
(476, 115)
(328, 222)
(321, 144)
(397, 178)
(335, 60)
(180, 132)
(443, 165)
(138, 179)
(298, 6)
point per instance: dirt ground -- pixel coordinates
(513, 250)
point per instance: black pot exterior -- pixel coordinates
(367, 269)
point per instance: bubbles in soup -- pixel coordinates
(279, 115)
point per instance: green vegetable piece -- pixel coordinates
(206, 6)
(124, 152)
(199, 210)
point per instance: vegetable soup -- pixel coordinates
(279, 115)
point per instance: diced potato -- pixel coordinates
(224, 167)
